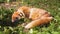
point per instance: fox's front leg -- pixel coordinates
(37, 22)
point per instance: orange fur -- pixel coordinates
(38, 16)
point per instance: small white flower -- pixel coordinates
(31, 31)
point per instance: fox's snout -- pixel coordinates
(14, 16)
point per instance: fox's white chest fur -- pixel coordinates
(38, 16)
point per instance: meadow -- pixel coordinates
(6, 11)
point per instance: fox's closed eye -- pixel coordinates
(20, 14)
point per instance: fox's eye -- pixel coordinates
(20, 14)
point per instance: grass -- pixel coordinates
(52, 6)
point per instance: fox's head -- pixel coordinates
(17, 15)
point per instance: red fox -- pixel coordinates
(37, 15)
